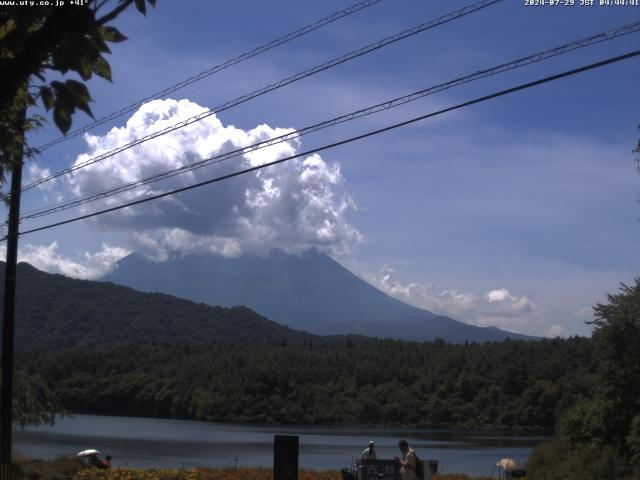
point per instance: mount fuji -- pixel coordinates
(310, 292)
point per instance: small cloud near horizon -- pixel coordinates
(497, 308)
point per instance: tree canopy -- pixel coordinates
(36, 41)
(511, 384)
(599, 437)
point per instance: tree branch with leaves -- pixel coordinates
(35, 41)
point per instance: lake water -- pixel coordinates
(146, 442)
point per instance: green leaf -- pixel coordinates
(63, 59)
(47, 97)
(141, 6)
(62, 117)
(78, 90)
(85, 108)
(102, 68)
(99, 43)
(112, 34)
(79, 96)
(86, 69)
(57, 86)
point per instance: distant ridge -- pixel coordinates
(55, 312)
(311, 292)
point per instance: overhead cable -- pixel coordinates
(343, 142)
(274, 86)
(508, 66)
(215, 69)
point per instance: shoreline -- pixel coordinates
(487, 429)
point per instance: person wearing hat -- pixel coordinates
(369, 453)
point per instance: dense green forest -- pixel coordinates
(513, 384)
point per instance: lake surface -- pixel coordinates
(147, 442)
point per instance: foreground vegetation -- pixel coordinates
(58, 469)
(201, 473)
(599, 436)
(72, 469)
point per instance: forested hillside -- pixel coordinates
(512, 384)
(57, 312)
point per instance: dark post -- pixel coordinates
(6, 393)
(285, 457)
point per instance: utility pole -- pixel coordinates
(8, 320)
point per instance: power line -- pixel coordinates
(312, 71)
(346, 141)
(521, 62)
(274, 86)
(215, 69)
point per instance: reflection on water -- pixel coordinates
(149, 442)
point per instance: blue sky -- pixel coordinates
(521, 212)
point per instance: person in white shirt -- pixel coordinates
(369, 453)
(408, 461)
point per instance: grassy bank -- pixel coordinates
(197, 473)
(72, 469)
(201, 473)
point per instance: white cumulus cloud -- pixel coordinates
(50, 189)
(497, 307)
(294, 206)
(35, 172)
(87, 266)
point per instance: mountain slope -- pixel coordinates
(56, 312)
(311, 292)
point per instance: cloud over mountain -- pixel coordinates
(87, 265)
(497, 307)
(294, 206)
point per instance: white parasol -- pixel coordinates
(88, 453)
(507, 464)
